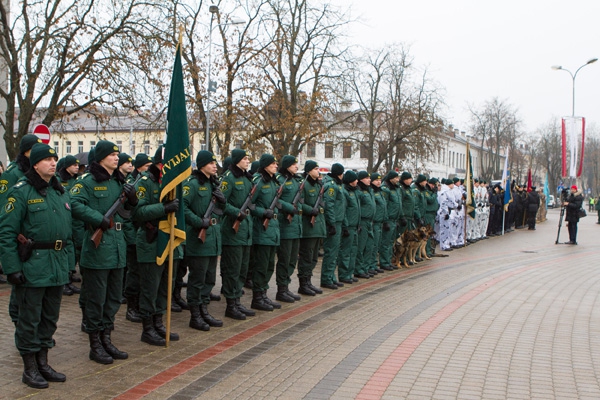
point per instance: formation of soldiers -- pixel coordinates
(261, 220)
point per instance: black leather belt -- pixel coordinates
(56, 245)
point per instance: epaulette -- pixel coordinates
(143, 178)
(226, 173)
(83, 175)
(255, 178)
(20, 184)
(11, 167)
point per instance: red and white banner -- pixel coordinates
(573, 145)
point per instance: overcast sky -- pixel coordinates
(482, 49)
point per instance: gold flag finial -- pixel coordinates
(180, 39)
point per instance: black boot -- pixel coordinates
(179, 300)
(31, 375)
(304, 288)
(210, 320)
(232, 310)
(273, 304)
(196, 321)
(97, 352)
(149, 335)
(74, 288)
(214, 297)
(67, 291)
(282, 294)
(175, 307)
(259, 302)
(292, 294)
(246, 311)
(133, 312)
(161, 330)
(313, 287)
(110, 348)
(47, 371)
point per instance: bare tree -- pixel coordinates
(549, 152)
(66, 55)
(495, 124)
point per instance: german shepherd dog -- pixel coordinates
(410, 245)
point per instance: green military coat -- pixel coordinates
(197, 196)
(45, 217)
(408, 202)
(311, 192)
(91, 196)
(420, 203)
(352, 206)
(431, 207)
(236, 186)
(13, 173)
(335, 202)
(380, 206)
(291, 186)
(367, 202)
(264, 195)
(391, 193)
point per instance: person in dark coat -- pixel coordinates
(533, 203)
(573, 204)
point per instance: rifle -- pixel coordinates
(297, 197)
(211, 221)
(97, 235)
(245, 208)
(274, 203)
(317, 205)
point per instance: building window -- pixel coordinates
(328, 149)
(120, 145)
(347, 150)
(147, 146)
(92, 143)
(56, 147)
(132, 147)
(364, 151)
(68, 149)
(80, 146)
(238, 144)
(311, 150)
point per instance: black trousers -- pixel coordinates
(572, 231)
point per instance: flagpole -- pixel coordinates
(467, 181)
(171, 218)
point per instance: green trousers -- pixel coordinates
(386, 245)
(308, 256)
(201, 279)
(102, 292)
(154, 287)
(287, 257)
(331, 248)
(234, 267)
(132, 276)
(347, 255)
(430, 220)
(365, 241)
(38, 315)
(377, 231)
(264, 267)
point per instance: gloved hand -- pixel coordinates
(314, 212)
(171, 206)
(295, 211)
(268, 214)
(459, 207)
(241, 216)
(16, 278)
(219, 196)
(345, 232)
(385, 227)
(205, 223)
(129, 191)
(331, 230)
(105, 224)
(447, 217)
(403, 221)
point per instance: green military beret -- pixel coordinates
(27, 142)
(204, 157)
(124, 158)
(287, 161)
(405, 175)
(350, 176)
(254, 167)
(337, 169)
(69, 160)
(103, 149)
(237, 155)
(362, 175)
(309, 165)
(142, 159)
(266, 160)
(375, 176)
(421, 178)
(40, 151)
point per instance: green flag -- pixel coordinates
(177, 163)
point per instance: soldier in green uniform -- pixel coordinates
(66, 172)
(9, 178)
(200, 191)
(102, 266)
(391, 194)
(265, 232)
(379, 220)
(38, 208)
(236, 185)
(431, 208)
(419, 189)
(408, 203)
(154, 285)
(248, 283)
(131, 286)
(290, 225)
(347, 255)
(365, 232)
(313, 228)
(335, 212)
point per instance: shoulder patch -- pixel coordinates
(3, 186)
(224, 186)
(76, 189)
(331, 192)
(186, 191)
(141, 192)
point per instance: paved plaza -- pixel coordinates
(512, 317)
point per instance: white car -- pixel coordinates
(551, 203)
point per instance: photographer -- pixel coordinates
(572, 204)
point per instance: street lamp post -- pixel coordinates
(211, 85)
(573, 76)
